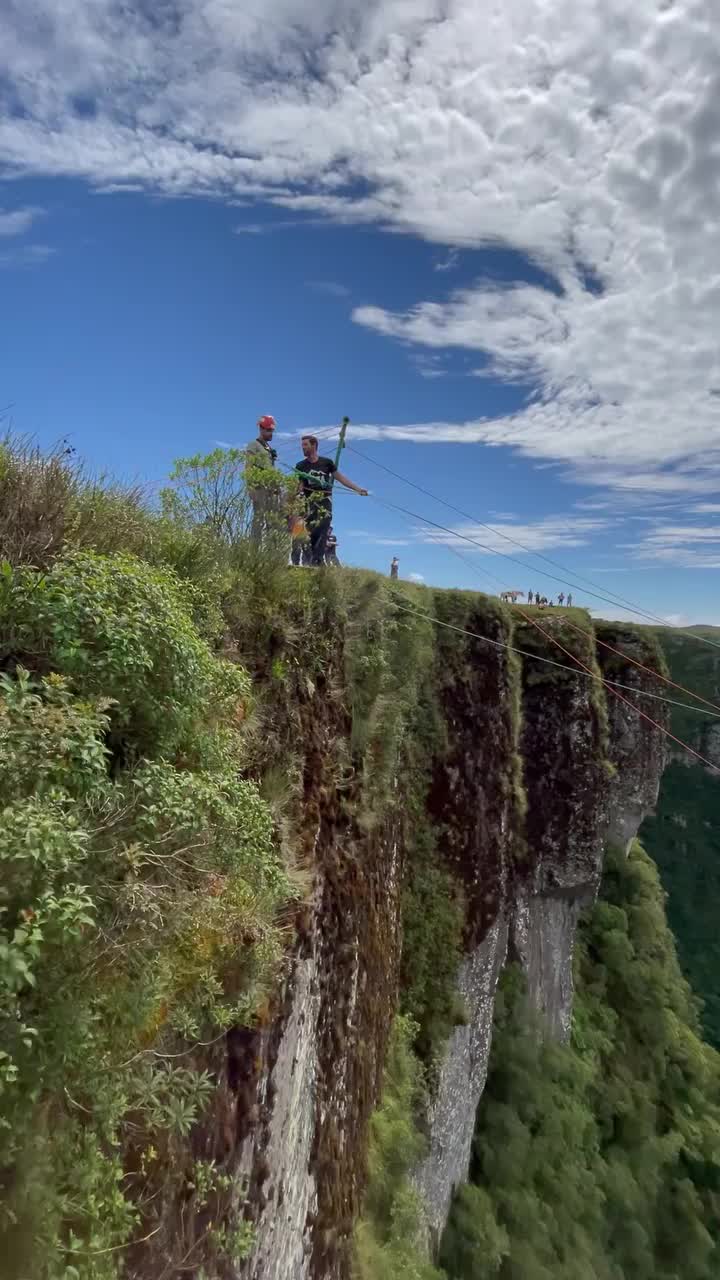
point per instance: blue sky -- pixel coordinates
(498, 256)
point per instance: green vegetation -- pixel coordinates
(696, 666)
(684, 839)
(160, 675)
(390, 1244)
(446, 679)
(147, 846)
(140, 893)
(683, 836)
(600, 1158)
(143, 884)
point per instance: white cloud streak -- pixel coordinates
(25, 255)
(540, 535)
(583, 133)
(329, 287)
(15, 222)
(689, 546)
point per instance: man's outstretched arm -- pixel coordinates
(349, 484)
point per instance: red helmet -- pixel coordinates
(267, 421)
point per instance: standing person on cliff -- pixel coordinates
(261, 457)
(394, 567)
(317, 475)
(331, 555)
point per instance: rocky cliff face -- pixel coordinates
(591, 770)
(536, 770)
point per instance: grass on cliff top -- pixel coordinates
(640, 644)
(555, 630)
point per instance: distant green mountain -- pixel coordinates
(684, 835)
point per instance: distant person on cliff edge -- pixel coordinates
(331, 555)
(394, 567)
(317, 475)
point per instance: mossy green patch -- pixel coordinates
(390, 1241)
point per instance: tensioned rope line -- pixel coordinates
(618, 599)
(626, 656)
(621, 696)
(553, 640)
(548, 635)
(587, 671)
(562, 666)
(454, 533)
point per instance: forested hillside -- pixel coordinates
(684, 836)
(599, 1159)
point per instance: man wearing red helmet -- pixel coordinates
(260, 451)
(261, 456)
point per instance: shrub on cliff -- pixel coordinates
(139, 894)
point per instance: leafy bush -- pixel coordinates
(124, 631)
(138, 902)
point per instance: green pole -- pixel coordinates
(341, 441)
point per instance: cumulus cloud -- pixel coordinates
(582, 133)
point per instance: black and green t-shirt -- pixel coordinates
(316, 481)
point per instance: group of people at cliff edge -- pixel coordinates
(543, 601)
(316, 474)
(511, 597)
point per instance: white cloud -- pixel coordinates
(15, 222)
(686, 545)
(551, 531)
(430, 366)
(676, 619)
(416, 577)
(448, 262)
(330, 287)
(582, 133)
(377, 541)
(27, 255)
